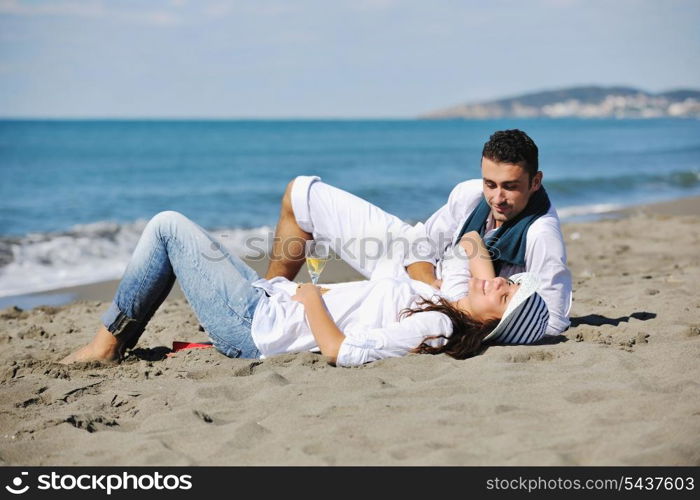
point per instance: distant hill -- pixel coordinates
(582, 102)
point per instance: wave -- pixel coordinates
(90, 253)
(636, 181)
(568, 213)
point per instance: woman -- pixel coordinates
(353, 323)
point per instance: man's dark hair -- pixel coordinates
(514, 147)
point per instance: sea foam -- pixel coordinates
(577, 211)
(90, 253)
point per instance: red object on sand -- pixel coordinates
(181, 346)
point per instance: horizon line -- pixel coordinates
(319, 119)
(207, 118)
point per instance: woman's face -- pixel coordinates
(488, 299)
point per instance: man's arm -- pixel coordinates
(545, 256)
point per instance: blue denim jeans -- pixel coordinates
(216, 284)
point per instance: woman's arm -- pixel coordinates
(327, 334)
(423, 271)
(480, 264)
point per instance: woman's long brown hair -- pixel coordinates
(467, 333)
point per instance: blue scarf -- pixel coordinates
(507, 244)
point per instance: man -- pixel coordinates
(508, 207)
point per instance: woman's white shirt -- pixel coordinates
(367, 312)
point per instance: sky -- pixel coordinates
(329, 59)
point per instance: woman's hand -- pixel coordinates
(480, 264)
(327, 334)
(470, 242)
(307, 292)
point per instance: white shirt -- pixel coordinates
(545, 253)
(367, 312)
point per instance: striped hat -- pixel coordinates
(526, 316)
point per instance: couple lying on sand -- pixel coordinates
(489, 266)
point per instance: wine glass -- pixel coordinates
(317, 253)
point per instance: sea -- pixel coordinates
(76, 194)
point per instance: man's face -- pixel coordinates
(507, 188)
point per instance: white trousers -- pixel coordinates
(373, 242)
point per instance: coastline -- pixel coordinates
(336, 270)
(681, 206)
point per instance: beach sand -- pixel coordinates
(620, 387)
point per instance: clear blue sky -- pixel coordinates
(358, 58)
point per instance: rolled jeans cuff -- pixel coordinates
(120, 325)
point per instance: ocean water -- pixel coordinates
(75, 195)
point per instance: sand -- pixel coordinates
(620, 387)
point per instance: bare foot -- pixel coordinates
(103, 347)
(88, 353)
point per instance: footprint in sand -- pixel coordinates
(248, 435)
(528, 356)
(88, 422)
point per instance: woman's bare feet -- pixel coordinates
(103, 347)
